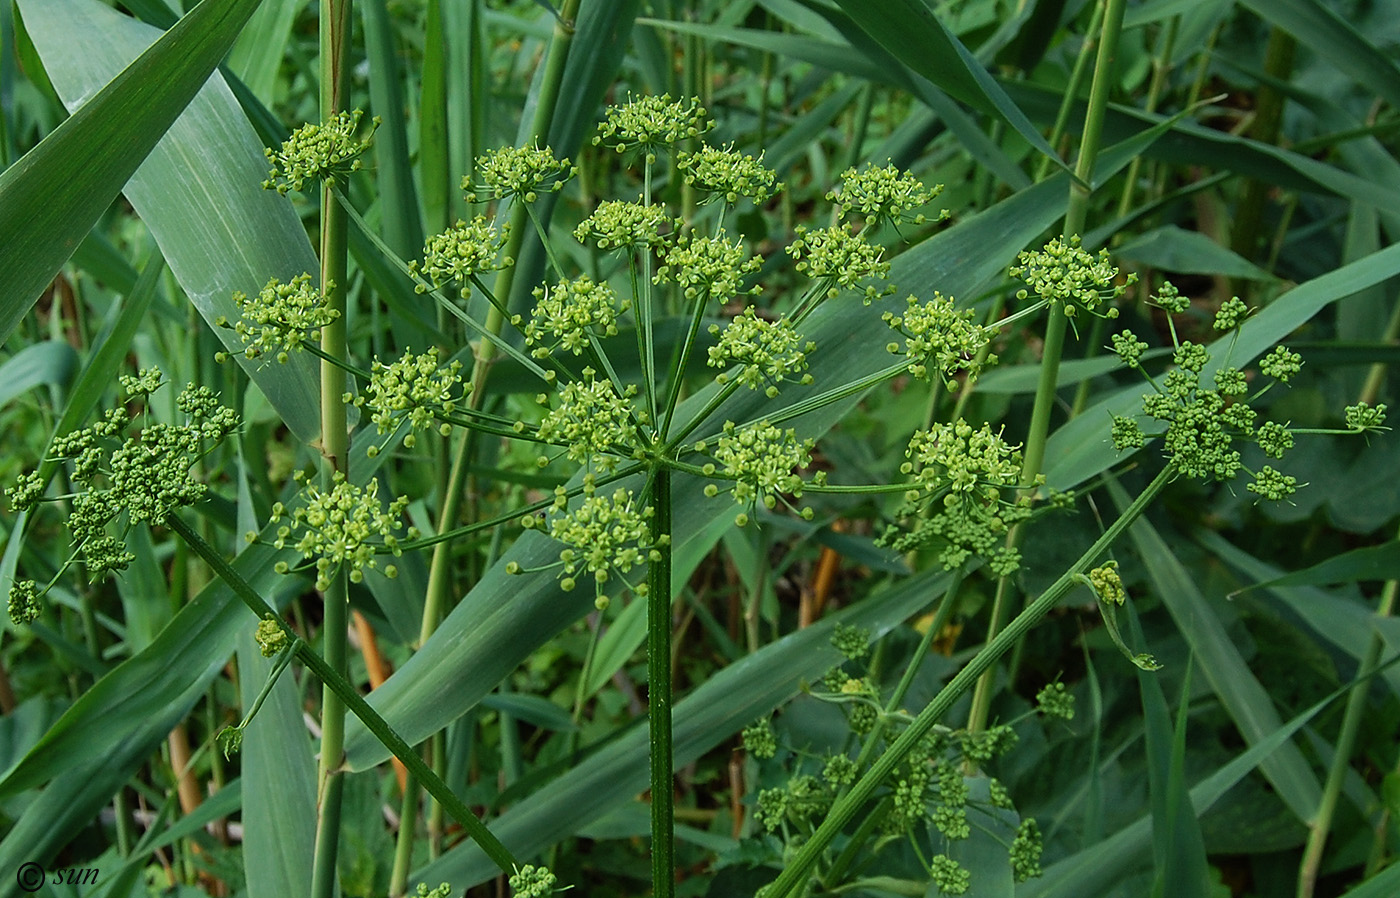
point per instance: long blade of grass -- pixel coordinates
(53, 195)
(198, 191)
(1246, 700)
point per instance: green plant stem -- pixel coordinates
(791, 880)
(1075, 214)
(1071, 91)
(335, 447)
(351, 697)
(659, 689)
(403, 842)
(1278, 64)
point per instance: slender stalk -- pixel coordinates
(350, 696)
(1075, 214)
(1341, 758)
(791, 881)
(335, 446)
(659, 691)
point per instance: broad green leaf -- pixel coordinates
(1371, 563)
(1384, 884)
(1174, 249)
(49, 363)
(1246, 700)
(199, 191)
(910, 31)
(1177, 846)
(256, 56)
(52, 196)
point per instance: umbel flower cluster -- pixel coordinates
(1203, 405)
(127, 469)
(319, 152)
(928, 787)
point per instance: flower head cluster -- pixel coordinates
(1362, 417)
(619, 225)
(601, 534)
(1025, 851)
(24, 601)
(1231, 315)
(130, 479)
(939, 338)
(517, 171)
(567, 313)
(346, 526)
(532, 882)
(650, 123)
(281, 317)
(444, 890)
(413, 387)
(798, 802)
(838, 260)
(958, 458)
(727, 173)
(1065, 273)
(592, 420)
(951, 877)
(1054, 701)
(883, 193)
(270, 636)
(321, 152)
(759, 740)
(463, 251)
(1202, 425)
(762, 459)
(1107, 584)
(707, 267)
(770, 352)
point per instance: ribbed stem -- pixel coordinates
(659, 690)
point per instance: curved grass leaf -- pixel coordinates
(53, 195)
(48, 363)
(1246, 700)
(199, 191)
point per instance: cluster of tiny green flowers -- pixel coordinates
(270, 636)
(532, 882)
(798, 802)
(724, 172)
(938, 338)
(650, 123)
(444, 890)
(707, 267)
(592, 420)
(758, 739)
(517, 171)
(1025, 851)
(851, 641)
(143, 477)
(1281, 364)
(951, 877)
(1067, 274)
(1107, 584)
(569, 312)
(321, 152)
(618, 225)
(413, 387)
(601, 534)
(1362, 417)
(769, 352)
(883, 193)
(960, 458)
(838, 260)
(761, 459)
(281, 317)
(345, 526)
(463, 251)
(24, 601)
(1055, 702)
(1231, 314)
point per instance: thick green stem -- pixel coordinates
(350, 696)
(659, 688)
(1075, 214)
(335, 447)
(791, 880)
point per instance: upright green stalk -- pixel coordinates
(659, 689)
(1075, 215)
(335, 446)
